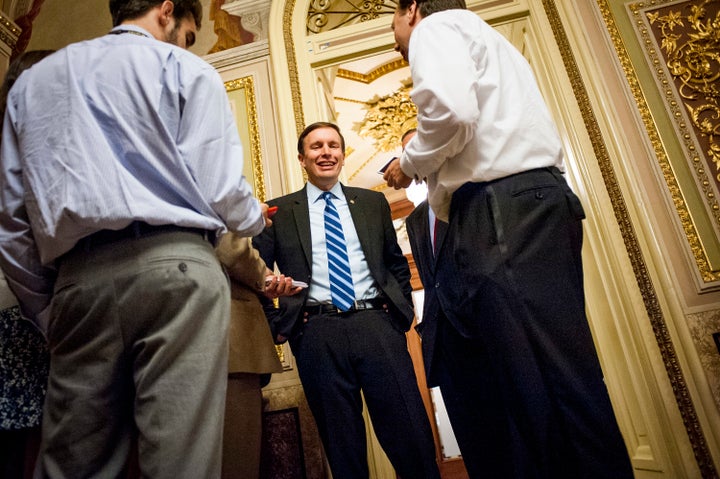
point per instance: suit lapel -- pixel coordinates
(440, 233)
(363, 228)
(426, 240)
(301, 212)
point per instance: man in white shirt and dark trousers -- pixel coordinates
(120, 164)
(512, 345)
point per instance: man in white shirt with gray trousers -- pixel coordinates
(512, 347)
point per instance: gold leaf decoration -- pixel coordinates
(387, 118)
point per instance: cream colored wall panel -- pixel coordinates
(253, 61)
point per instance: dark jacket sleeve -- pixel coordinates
(280, 248)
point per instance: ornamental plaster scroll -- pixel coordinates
(254, 15)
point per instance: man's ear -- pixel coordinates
(166, 10)
(413, 13)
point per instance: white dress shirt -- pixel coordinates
(363, 282)
(480, 113)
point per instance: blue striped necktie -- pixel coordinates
(341, 285)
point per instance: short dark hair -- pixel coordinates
(315, 126)
(428, 7)
(122, 10)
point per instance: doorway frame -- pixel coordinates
(633, 314)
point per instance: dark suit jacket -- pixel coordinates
(288, 244)
(418, 230)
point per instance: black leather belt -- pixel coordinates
(135, 230)
(358, 305)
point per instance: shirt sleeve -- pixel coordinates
(210, 144)
(446, 94)
(30, 281)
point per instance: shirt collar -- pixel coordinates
(131, 28)
(314, 193)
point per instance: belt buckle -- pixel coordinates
(359, 305)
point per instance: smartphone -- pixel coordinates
(295, 284)
(381, 171)
(271, 211)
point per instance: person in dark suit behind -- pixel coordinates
(425, 233)
(341, 350)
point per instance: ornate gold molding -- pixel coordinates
(349, 100)
(292, 66)
(247, 84)
(685, 135)
(647, 289)
(370, 77)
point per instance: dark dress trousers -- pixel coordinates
(340, 355)
(462, 380)
(505, 334)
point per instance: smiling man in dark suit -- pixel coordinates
(347, 328)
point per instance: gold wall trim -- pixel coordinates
(685, 134)
(248, 85)
(370, 77)
(642, 276)
(361, 167)
(292, 66)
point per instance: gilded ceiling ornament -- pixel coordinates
(387, 118)
(326, 15)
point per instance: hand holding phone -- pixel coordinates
(382, 170)
(294, 284)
